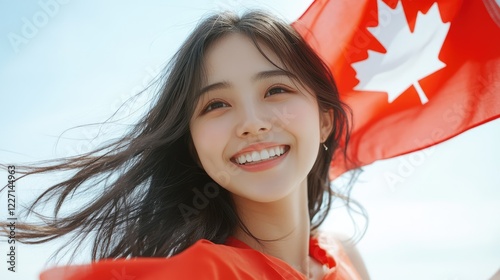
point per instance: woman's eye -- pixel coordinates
(276, 90)
(214, 105)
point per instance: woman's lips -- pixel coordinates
(251, 157)
(265, 164)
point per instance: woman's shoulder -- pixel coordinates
(202, 260)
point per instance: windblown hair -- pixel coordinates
(149, 182)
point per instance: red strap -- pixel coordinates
(315, 251)
(320, 254)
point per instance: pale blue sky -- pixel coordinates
(90, 56)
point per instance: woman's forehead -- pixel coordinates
(235, 55)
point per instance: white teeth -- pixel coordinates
(272, 153)
(255, 156)
(248, 158)
(262, 155)
(242, 158)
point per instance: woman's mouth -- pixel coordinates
(263, 155)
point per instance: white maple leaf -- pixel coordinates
(409, 56)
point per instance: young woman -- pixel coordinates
(226, 177)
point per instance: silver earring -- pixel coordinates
(324, 146)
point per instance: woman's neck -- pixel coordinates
(285, 223)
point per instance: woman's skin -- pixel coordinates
(247, 100)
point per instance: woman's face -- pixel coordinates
(257, 132)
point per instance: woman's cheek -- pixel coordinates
(297, 114)
(212, 136)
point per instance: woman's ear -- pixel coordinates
(326, 124)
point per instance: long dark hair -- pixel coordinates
(152, 198)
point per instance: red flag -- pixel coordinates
(415, 73)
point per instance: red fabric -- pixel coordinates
(203, 260)
(457, 69)
(319, 254)
(315, 251)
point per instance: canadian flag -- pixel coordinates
(415, 73)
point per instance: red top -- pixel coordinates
(203, 260)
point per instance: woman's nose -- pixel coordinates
(253, 122)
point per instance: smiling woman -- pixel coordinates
(227, 173)
(246, 126)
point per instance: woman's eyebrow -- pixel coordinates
(273, 73)
(219, 85)
(259, 76)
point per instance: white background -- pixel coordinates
(82, 59)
